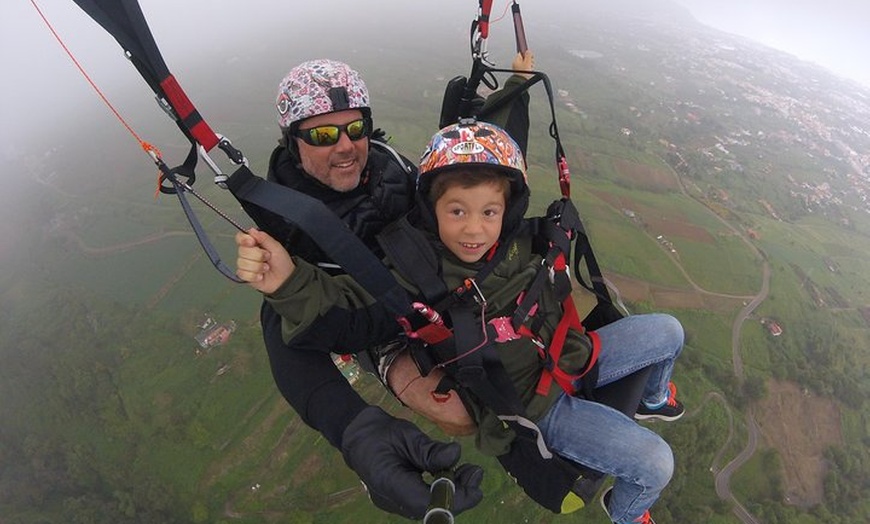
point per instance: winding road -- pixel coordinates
(722, 477)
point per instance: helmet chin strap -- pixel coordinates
(289, 143)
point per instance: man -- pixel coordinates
(330, 150)
(472, 194)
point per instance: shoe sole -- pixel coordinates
(638, 416)
(603, 502)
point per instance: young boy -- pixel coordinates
(471, 198)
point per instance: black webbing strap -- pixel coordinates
(200, 233)
(187, 170)
(325, 228)
(412, 254)
(482, 371)
(562, 218)
(583, 251)
(177, 181)
(543, 475)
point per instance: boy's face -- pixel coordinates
(470, 219)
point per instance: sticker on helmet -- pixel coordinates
(468, 148)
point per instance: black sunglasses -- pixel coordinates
(328, 135)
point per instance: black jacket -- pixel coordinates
(303, 368)
(385, 193)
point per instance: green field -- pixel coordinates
(111, 414)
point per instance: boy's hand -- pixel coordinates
(524, 62)
(262, 261)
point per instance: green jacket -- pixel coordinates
(309, 293)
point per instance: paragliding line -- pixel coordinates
(153, 152)
(148, 148)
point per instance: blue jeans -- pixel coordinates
(605, 439)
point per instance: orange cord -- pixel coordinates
(149, 149)
(503, 13)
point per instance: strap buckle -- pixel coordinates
(504, 330)
(407, 328)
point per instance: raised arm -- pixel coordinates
(387, 453)
(514, 117)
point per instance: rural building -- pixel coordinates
(212, 334)
(774, 328)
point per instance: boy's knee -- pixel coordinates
(660, 465)
(672, 329)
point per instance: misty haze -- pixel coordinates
(721, 181)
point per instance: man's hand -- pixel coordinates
(390, 456)
(262, 261)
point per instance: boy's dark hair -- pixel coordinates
(467, 178)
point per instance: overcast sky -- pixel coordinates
(832, 33)
(39, 78)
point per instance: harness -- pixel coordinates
(451, 333)
(544, 476)
(449, 346)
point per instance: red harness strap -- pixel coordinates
(570, 320)
(436, 332)
(198, 127)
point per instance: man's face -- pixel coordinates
(470, 219)
(338, 166)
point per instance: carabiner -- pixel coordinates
(232, 153)
(478, 294)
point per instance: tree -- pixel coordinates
(754, 388)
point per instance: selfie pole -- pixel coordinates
(440, 510)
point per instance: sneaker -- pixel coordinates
(646, 518)
(671, 410)
(605, 499)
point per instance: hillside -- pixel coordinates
(720, 181)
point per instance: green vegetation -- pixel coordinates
(110, 415)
